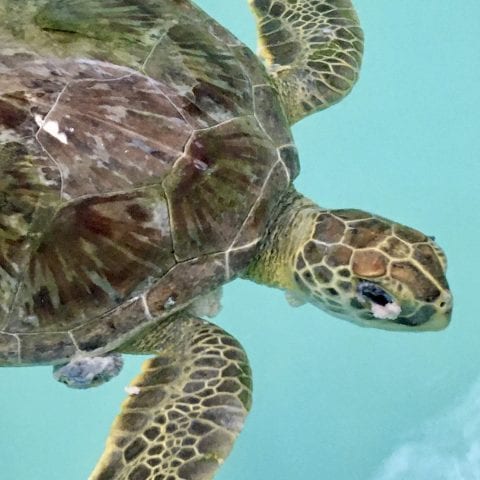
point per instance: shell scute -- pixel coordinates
(140, 163)
(270, 115)
(11, 116)
(261, 212)
(29, 186)
(118, 133)
(212, 188)
(99, 332)
(93, 256)
(43, 348)
(9, 349)
(210, 85)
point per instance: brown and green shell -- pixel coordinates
(138, 170)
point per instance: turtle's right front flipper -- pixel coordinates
(185, 409)
(313, 49)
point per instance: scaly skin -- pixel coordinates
(326, 257)
(313, 50)
(186, 407)
(131, 256)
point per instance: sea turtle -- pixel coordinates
(145, 160)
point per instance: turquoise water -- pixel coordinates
(333, 401)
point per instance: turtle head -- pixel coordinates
(372, 271)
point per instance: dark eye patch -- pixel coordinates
(374, 293)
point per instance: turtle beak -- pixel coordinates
(431, 317)
(441, 319)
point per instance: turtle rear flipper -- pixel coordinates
(185, 409)
(313, 50)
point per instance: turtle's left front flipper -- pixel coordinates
(185, 409)
(312, 48)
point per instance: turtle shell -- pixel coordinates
(134, 175)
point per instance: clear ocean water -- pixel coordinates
(333, 401)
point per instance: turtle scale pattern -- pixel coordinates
(145, 160)
(170, 205)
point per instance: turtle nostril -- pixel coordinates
(446, 301)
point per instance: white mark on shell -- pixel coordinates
(160, 219)
(141, 145)
(199, 165)
(39, 120)
(170, 303)
(51, 127)
(31, 320)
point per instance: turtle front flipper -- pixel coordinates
(313, 50)
(185, 409)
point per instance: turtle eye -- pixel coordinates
(374, 293)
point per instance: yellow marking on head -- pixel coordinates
(373, 272)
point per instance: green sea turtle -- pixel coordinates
(145, 160)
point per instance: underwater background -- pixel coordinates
(331, 400)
